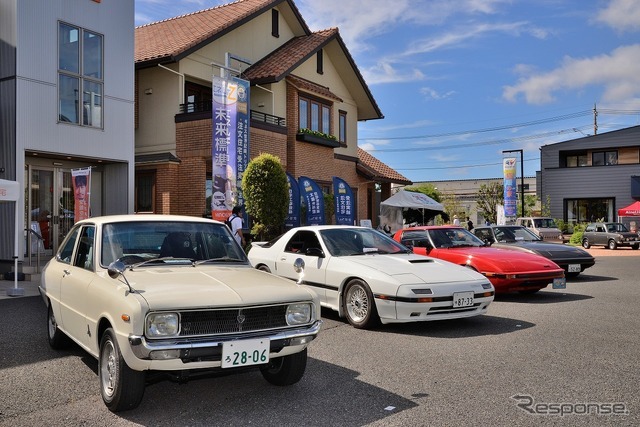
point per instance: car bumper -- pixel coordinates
(196, 353)
(523, 281)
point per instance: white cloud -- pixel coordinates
(618, 72)
(434, 94)
(621, 15)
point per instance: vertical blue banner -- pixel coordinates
(242, 138)
(343, 198)
(509, 170)
(314, 200)
(293, 214)
(223, 148)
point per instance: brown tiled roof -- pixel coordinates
(287, 57)
(171, 39)
(374, 169)
(306, 85)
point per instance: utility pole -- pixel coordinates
(595, 119)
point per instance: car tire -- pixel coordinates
(359, 305)
(586, 244)
(121, 387)
(263, 267)
(57, 339)
(612, 245)
(635, 247)
(286, 370)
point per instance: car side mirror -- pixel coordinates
(116, 268)
(314, 252)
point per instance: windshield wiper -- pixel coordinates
(162, 260)
(219, 259)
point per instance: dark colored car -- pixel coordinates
(609, 234)
(572, 259)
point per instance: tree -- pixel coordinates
(266, 194)
(488, 197)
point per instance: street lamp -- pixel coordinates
(521, 176)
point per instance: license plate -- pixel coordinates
(574, 268)
(560, 283)
(245, 353)
(462, 299)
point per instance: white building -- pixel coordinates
(66, 102)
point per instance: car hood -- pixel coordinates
(502, 260)
(427, 269)
(202, 286)
(548, 249)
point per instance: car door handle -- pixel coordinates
(67, 272)
(284, 258)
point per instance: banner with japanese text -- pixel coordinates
(314, 200)
(230, 144)
(343, 199)
(293, 213)
(81, 180)
(509, 171)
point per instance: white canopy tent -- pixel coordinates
(391, 209)
(10, 192)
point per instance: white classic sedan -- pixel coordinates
(369, 278)
(174, 297)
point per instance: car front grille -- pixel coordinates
(232, 321)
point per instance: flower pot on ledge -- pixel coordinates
(315, 139)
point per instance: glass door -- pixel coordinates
(50, 207)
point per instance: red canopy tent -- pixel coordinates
(631, 210)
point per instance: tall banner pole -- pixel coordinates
(509, 171)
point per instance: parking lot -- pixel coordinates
(558, 357)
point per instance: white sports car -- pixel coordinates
(369, 278)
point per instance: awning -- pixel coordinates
(631, 210)
(413, 200)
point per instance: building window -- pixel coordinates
(80, 76)
(589, 210)
(577, 160)
(145, 189)
(314, 115)
(342, 128)
(604, 158)
(275, 23)
(319, 64)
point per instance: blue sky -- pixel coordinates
(461, 81)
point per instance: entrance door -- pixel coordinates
(50, 206)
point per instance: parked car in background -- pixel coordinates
(176, 296)
(508, 270)
(609, 234)
(572, 259)
(368, 278)
(543, 227)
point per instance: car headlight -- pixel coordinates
(162, 325)
(299, 314)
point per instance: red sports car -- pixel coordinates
(508, 270)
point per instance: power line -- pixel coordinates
(475, 144)
(459, 166)
(493, 129)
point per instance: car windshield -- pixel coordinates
(515, 234)
(149, 243)
(347, 241)
(453, 237)
(617, 227)
(544, 223)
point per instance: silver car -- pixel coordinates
(609, 234)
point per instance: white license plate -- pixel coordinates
(560, 283)
(574, 268)
(245, 353)
(462, 299)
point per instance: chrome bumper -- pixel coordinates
(210, 346)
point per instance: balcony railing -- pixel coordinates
(195, 110)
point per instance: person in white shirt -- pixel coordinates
(456, 221)
(236, 225)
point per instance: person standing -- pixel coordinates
(456, 221)
(469, 224)
(236, 225)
